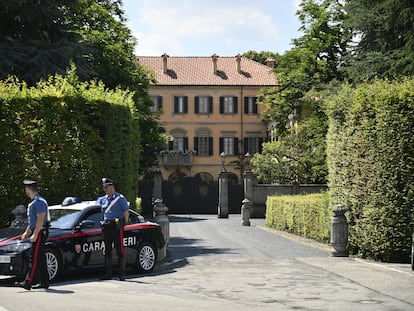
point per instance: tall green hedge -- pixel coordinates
(305, 215)
(371, 165)
(67, 135)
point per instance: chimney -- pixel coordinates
(238, 60)
(270, 62)
(164, 60)
(214, 58)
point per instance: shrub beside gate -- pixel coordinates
(370, 152)
(305, 215)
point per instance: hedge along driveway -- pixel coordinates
(305, 215)
(66, 134)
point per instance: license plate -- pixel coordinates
(5, 259)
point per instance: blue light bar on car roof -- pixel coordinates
(70, 200)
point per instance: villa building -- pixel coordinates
(209, 110)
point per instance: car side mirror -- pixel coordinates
(85, 224)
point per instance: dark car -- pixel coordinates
(76, 243)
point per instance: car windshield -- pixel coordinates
(63, 218)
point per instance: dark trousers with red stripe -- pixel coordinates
(37, 263)
(115, 236)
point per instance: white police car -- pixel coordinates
(75, 242)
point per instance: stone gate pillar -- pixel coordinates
(157, 190)
(160, 209)
(223, 199)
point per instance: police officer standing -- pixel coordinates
(116, 214)
(37, 231)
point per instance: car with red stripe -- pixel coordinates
(75, 242)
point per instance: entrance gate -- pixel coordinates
(190, 195)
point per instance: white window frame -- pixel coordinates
(228, 145)
(253, 144)
(203, 104)
(180, 104)
(251, 102)
(229, 104)
(156, 100)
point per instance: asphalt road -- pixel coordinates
(218, 264)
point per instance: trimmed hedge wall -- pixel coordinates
(67, 135)
(370, 146)
(306, 215)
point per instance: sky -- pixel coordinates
(205, 27)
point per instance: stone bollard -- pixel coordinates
(339, 232)
(246, 211)
(161, 218)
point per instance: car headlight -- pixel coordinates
(16, 247)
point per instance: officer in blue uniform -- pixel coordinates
(37, 231)
(116, 214)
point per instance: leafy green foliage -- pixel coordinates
(66, 134)
(42, 38)
(35, 40)
(261, 57)
(384, 38)
(294, 109)
(298, 158)
(371, 165)
(305, 215)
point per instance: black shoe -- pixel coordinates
(106, 277)
(122, 277)
(38, 286)
(24, 285)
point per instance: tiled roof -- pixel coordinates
(199, 71)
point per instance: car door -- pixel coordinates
(88, 243)
(132, 235)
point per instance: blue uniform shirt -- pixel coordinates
(36, 206)
(117, 209)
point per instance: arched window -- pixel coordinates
(179, 140)
(206, 178)
(176, 177)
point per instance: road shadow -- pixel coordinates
(183, 248)
(183, 218)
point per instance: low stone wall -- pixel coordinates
(261, 191)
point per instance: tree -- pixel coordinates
(261, 57)
(383, 38)
(300, 155)
(35, 40)
(324, 37)
(41, 38)
(101, 25)
(302, 73)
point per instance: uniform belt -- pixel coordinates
(112, 221)
(115, 220)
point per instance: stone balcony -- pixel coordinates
(174, 159)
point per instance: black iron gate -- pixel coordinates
(235, 198)
(190, 195)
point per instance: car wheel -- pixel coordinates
(53, 263)
(146, 258)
